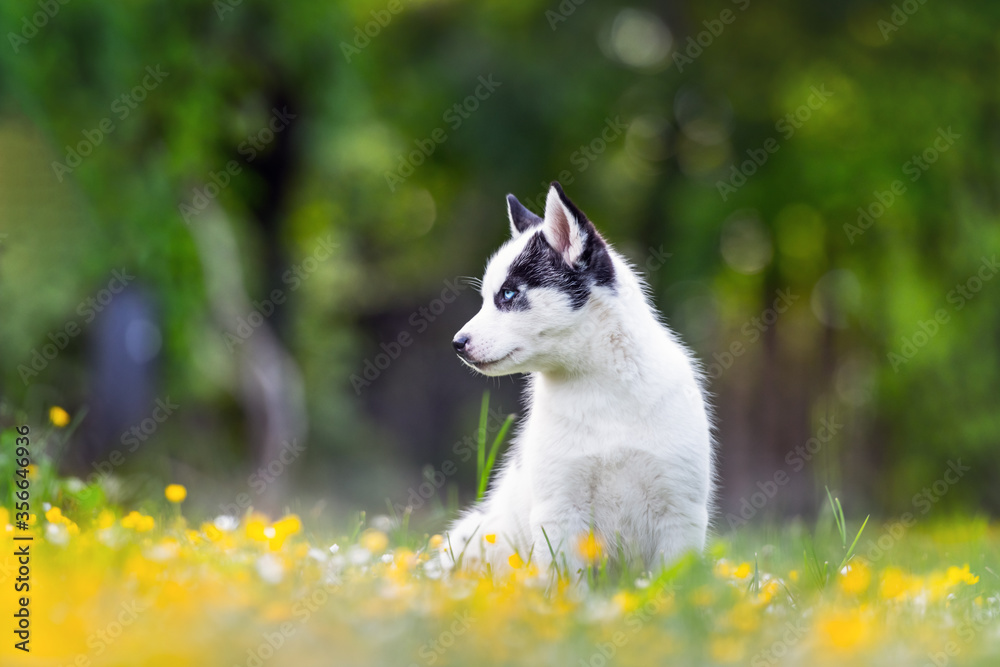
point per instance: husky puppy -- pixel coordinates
(617, 441)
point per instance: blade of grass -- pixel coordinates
(850, 552)
(552, 552)
(451, 549)
(754, 585)
(458, 563)
(813, 565)
(404, 526)
(357, 528)
(481, 435)
(838, 516)
(841, 523)
(484, 475)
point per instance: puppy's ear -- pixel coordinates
(566, 228)
(521, 219)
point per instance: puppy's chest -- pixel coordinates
(607, 485)
(580, 450)
(571, 429)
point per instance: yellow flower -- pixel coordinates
(844, 631)
(4, 517)
(374, 541)
(794, 576)
(212, 533)
(105, 519)
(939, 584)
(961, 575)
(175, 493)
(723, 569)
(491, 538)
(768, 591)
(726, 570)
(287, 525)
(404, 559)
(58, 417)
(625, 601)
(435, 542)
(515, 561)
(894, 583)
(282, 529)
(855, 578)
(138, 522)
(257, 527)
(54, 515)
(589, 547)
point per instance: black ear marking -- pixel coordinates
(521, 219)
(568, 255)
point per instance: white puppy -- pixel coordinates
(617, 441)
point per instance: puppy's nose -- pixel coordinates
(460, 342)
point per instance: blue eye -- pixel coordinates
(508, 294)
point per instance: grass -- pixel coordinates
(484, 463)
(118, 586)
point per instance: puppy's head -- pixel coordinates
(536, 290)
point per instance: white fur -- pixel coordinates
(617, 438)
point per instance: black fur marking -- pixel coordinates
(541, 266)
(522, 218)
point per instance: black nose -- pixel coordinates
(460, 342)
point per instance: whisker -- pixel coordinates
(475, 282)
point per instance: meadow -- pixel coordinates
(150, 585)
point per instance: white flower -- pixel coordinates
(226, 523)
(270, 569)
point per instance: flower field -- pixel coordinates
(150, 586)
